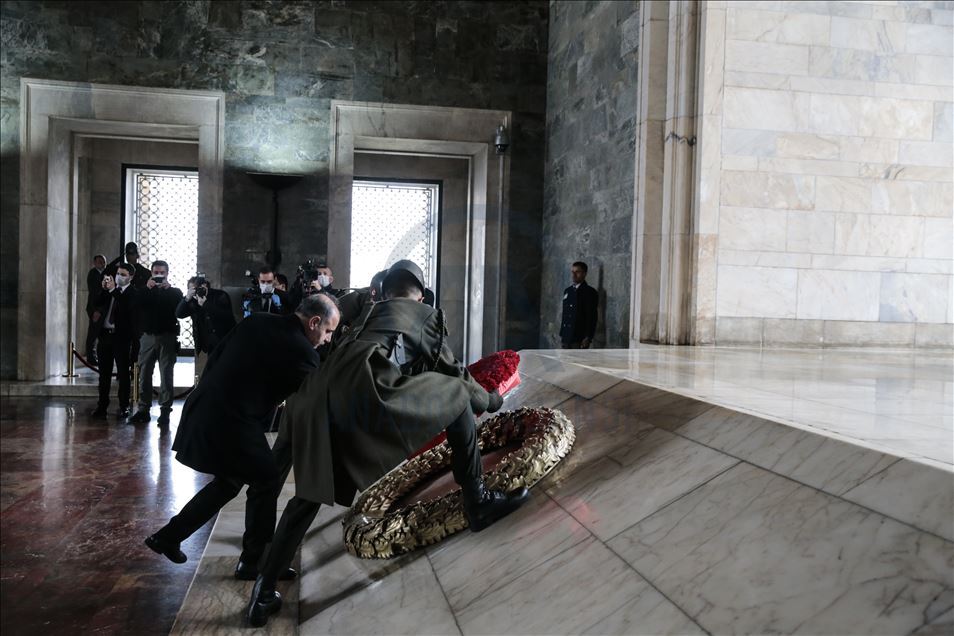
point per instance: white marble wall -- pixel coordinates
(835, 207)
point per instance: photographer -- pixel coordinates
(312, 279)
(211, 313)
(160, 341)
(141, 275)
(266, 298)
(117, 303)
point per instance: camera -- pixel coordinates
(158, 279)
(201, 285)
(307, 274)
(501, 140)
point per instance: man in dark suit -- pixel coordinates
(94, 287)
(141, 274)
(579, 310)
(222, 430)
(212, 317)
(118, 306)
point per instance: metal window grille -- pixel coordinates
(391, 221)
(164, 222)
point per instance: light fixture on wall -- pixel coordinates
(274, 182)
(501, 140)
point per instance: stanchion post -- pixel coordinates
(135, 383)
(70, 368)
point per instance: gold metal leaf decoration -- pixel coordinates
(376, 529)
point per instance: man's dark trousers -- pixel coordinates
(92, 333)
(259, 513)
(300, 513)
(113, 348)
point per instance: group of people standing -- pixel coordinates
(134, 317)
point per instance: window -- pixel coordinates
(162, 217)
(390, 221)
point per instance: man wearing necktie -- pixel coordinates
(117, 302)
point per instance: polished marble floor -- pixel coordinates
(657, 522)
(896, 401)
(77, 497)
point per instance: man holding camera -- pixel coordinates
(160, 341)
(211, 313)
(267, 298)
(117, 303)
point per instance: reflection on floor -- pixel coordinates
(78, 496)
(672, 514)
(87, 380)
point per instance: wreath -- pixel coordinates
(379, 525)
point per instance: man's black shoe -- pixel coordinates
(100, 413)
(169, 550)
(491, 505)
(140, 417)
(263, 604)
(248, 572)
(163, 419)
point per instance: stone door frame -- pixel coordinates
(443, 131)
(52, 115)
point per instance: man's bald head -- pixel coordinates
(319, 316)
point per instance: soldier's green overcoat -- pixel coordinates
(362, 414)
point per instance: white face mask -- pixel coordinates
(122, 280)
(324, 280)
(267, 288)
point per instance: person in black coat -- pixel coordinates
(212, 317)
(94, 288)
(117, 303)
(222, 429)
(141, 274)
(580, 301)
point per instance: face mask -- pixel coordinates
(324, 280)
(266, 288)
(121, 280)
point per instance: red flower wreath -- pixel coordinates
(498, 371)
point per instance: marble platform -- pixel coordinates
(680, 510)
(86, 383)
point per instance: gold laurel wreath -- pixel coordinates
(373, 530)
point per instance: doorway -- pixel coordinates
(161, 215)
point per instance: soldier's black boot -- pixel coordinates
(263, 604)
(483, 507)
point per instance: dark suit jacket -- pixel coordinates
(255, 367)
(125, 313)
(210, 321)
(579, 313)
(140, 277)
(94, 287)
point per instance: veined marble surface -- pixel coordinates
(667, 517)
(895, 401)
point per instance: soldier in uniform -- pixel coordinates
(391, 386)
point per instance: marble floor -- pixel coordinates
(86, 382)
(671, 515)
(897, 401)
(77, 497)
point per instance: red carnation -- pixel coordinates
(496, 372)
